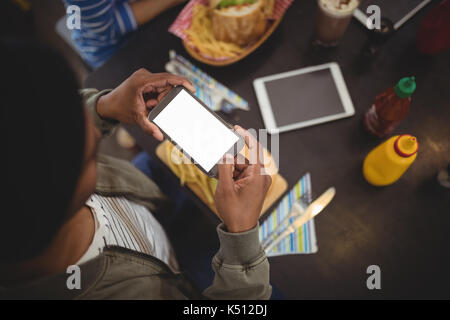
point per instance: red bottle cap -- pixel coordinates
(406, 145)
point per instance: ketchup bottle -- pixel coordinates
(390, 107)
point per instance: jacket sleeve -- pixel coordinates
(90, 98)
(241, 267)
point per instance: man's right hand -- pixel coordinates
(242, 188)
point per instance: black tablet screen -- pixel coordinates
(303, 97)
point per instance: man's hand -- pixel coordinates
(242, 188)
(126, 103)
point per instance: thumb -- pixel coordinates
(150, 128)
(225, 169)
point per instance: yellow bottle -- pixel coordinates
(388, 162)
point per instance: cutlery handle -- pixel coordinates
(295, 210)
(275, 242)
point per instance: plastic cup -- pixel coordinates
(333, 18)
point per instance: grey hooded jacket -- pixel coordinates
(241, 266)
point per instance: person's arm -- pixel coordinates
(104, 20)
(90, 99)
(241, 266)
(127, 103)
(145, 10)
(103, 25)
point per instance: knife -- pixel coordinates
(301, 218)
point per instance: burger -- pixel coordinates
(240, 21)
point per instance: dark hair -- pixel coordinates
(43, 132)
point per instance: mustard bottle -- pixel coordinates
(388, 162)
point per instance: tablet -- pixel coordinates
(398, 11)
(302, 98)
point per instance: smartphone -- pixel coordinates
(195, 130)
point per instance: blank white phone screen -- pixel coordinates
(195, 130)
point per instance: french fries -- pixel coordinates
(202, 38)
(187, 172)
(184, 169)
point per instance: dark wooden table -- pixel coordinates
(403, 228)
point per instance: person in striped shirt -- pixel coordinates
(66, 207)
(105, 24)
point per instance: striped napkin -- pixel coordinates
(183, 21)
(303, 240)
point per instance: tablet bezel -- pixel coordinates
(266, 108)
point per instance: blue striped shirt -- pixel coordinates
(104, 24)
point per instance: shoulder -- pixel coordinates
(132, 275)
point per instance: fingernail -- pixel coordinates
(228, 159)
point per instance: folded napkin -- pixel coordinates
(303, 240)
